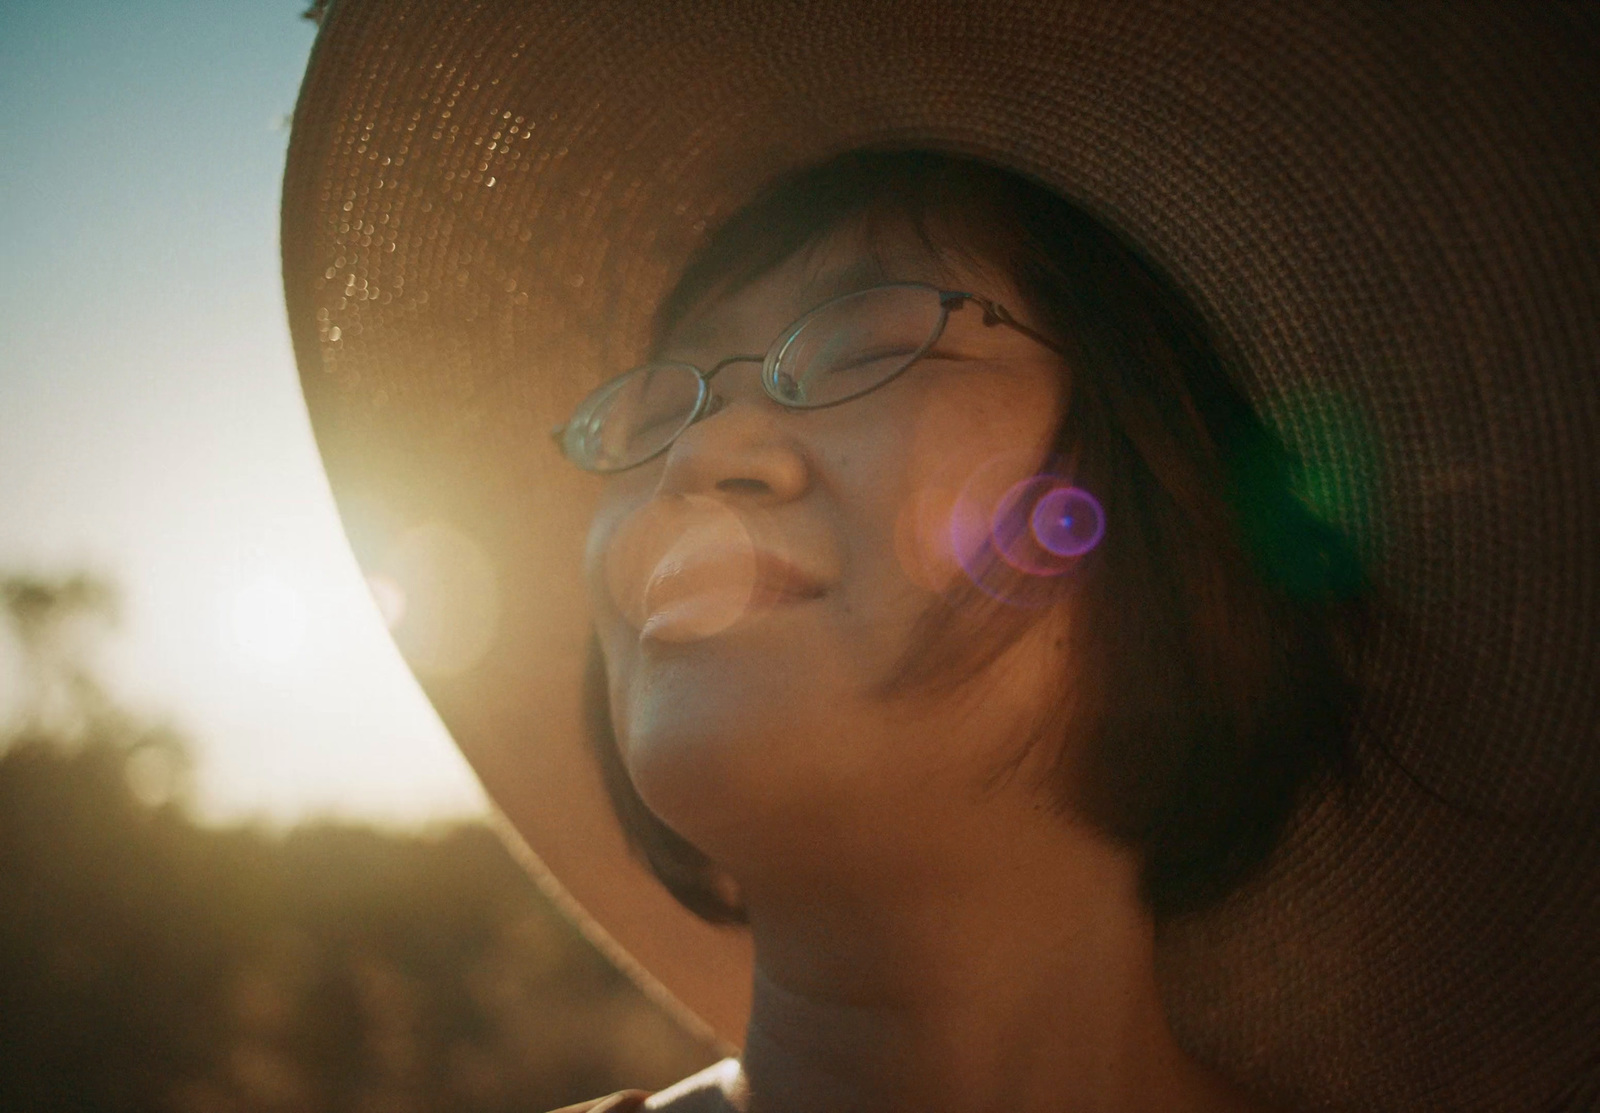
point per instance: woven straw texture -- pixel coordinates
(1391, 214)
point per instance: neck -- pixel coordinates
(1023, 982)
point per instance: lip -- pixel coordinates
(778, 582)
(689, 568)
(747, 582)
(698, 591)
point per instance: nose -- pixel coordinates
(744, 448)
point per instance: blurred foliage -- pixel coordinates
(151, 963)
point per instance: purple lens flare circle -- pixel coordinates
(1010, 530)
(1068, 521)
(1040, 526)
(1043, 524)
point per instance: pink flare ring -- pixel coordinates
(1012, 535)
(1068, 521)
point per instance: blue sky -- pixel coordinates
(151, 427)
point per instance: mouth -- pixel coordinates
(779, 583)
(701, 593)
(681, 578)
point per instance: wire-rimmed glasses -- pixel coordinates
(842, 349)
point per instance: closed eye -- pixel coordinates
(951, 355)
(866, 359)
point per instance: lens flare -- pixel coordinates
(682, 570)
(1041, 527)
(450, 596)
(389, 597)
(1068, 521)
(1043, 524)
(983, 495)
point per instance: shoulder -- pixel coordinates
(717, 1089)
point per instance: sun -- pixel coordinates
(268, 620)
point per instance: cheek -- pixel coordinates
(928, 475)
(970, 422)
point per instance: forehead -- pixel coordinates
(838, 263)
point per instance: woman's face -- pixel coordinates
(756, 585)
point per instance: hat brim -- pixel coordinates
(1390, 216)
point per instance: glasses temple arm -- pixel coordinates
(997, 314)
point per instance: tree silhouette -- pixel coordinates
(148, 962)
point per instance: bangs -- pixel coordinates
(954, 210)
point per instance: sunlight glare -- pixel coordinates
(268, 620)
(389, 597)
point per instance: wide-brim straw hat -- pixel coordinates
(1388, 212)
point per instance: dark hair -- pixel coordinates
(1214, 629)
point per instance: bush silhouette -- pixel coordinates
(148, 962)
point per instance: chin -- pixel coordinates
(725, 770)
(692, 749)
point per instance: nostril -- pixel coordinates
(743, 486)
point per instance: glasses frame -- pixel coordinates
(708, 402)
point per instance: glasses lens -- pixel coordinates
(632, 417)
(854, 344)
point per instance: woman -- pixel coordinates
(871, 684)
(876, 723)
